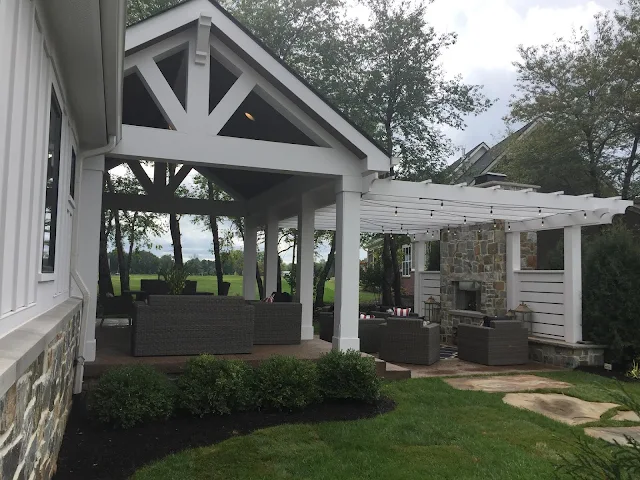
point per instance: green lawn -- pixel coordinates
(210, 284)
(436, 432)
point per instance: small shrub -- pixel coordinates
(610, 300)
(127, 396)
(348, 376)
(210, 385)
(286, 383)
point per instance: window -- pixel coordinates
(406, 260)
(51, 195)
(72, 181)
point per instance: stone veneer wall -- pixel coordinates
(565, 355)
(34, 410)
(478, 253)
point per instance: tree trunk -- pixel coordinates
(397, 285)
(387, 277)
(174, 226)
(122, 265)
(630, 169)
(213, 225)
(105, 285)
(279, 279)
(322, 278)
(259, 282)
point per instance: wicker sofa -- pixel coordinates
(408, 340)
(505, 342)
(276, 323)
(191, 325)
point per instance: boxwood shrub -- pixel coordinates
(286, 383)
(348, 376)
(213, 386)
(130, 395)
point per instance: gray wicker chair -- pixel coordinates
(369, 334)
(408, 340)
(276, 323)
(325, 320)
(506, 342)
(191, 325)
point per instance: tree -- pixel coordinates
(138, 10)
(588, 89)
(326, 268)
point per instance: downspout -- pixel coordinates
(79, 361)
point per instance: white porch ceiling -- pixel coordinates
(393, 206)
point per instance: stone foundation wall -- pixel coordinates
(565, 355)
(34, 410)
(448, 328)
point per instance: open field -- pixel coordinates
(210, 284)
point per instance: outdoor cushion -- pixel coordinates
(401, 312)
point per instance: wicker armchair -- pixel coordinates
(276, 323)
(325, 320)
(191, 325)
(408, 340)
(118, 307)
(506, 342)
(369, 334)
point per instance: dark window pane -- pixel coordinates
(72, 185)
(51, 196)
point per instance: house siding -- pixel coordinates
(39, 322)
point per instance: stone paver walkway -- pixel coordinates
(614, 434)
(561, 408)
(510, 383)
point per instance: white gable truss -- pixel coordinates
(208, 31)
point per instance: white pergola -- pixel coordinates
(423, 210)
(329, 180)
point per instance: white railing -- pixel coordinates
(429, 287)
(543, 292)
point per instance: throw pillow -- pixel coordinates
(401, 312)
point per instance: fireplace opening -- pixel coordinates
(467, 296)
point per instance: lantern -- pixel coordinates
(432, 310)
(525, 315)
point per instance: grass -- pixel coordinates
(436, 432)
(210, 284)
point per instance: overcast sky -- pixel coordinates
(489, 32)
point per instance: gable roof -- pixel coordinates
(327, 125)
(489, 159)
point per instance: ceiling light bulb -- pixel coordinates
(249, 116)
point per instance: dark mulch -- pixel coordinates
(94, 452)
(616, 374)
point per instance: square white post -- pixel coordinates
(513, 265)
(572, 284)
(306, 257)
(250, 258)
(87, 250)
(271, 254)
(418, 252)
(345, 331)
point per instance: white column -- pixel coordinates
(271, 255)
(345, 332)
(87, 248)
(306, 257)
(250, 258)
(572, 284)
(512, 266)
(418, 253)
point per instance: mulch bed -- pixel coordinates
(620, 375)
(94, 452)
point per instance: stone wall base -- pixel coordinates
(34, 409)
(567, 355)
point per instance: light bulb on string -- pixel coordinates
(441, 204)
(509, 227)
(396, 214)
(432, 213)
(492, 211)
(543, 222)
(465, 220)
(539, 211)
(448, 229)
(585, 214)
(495, 224)
(432, 235)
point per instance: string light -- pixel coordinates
(465, 220)
(509, 227)
(432, 234)
(448, 229)
(492, 211)
(585, 214)
(401, 227)
(539, 211)
(543, 222)
(414, 237)
(441, 204)
(432, 213)
(396, 211)
(495, 224)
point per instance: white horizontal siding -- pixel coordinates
(26, 80)
(543, 292)
(429, 287)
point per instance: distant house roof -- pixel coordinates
(490, 158)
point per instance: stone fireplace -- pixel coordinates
(473, 274)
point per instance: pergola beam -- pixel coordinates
(141, 176)
(218, 182)
(178, 178)
(173, 205)
(583, 219)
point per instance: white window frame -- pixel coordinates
(407, 264)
